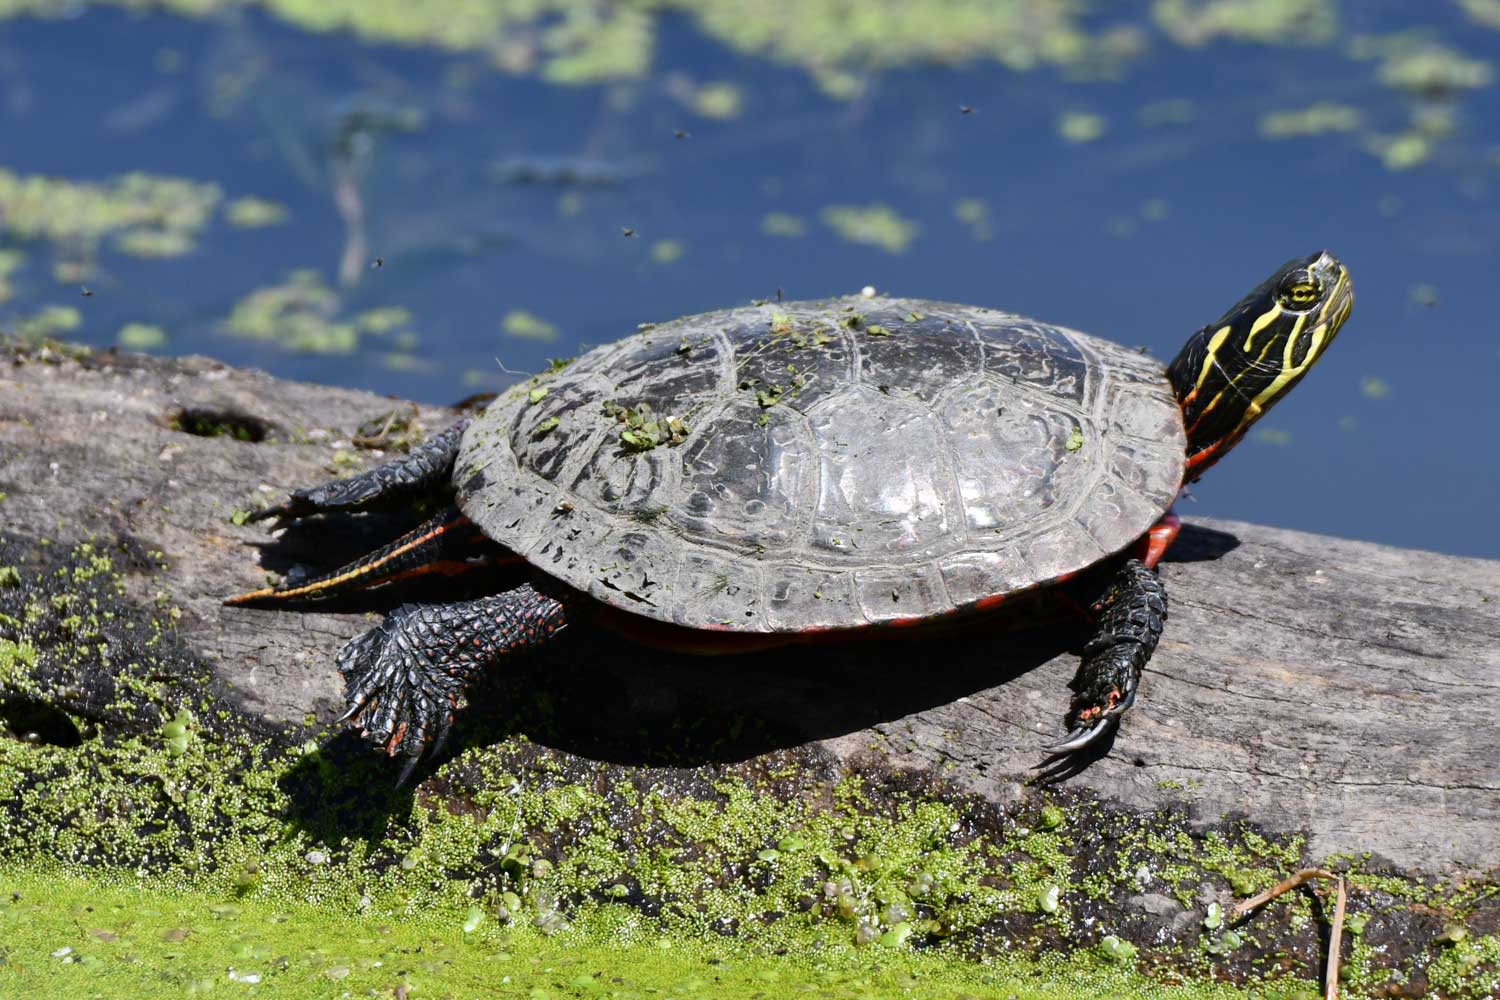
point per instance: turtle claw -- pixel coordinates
(1078, 737)
(401, 699)
(1082, 745)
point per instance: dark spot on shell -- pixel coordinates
(474, 483)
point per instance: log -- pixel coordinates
(1313, 683)
(1339, 690)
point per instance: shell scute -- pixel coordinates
(834, 473)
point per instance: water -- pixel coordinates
(492, 207)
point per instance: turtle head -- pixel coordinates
(1231, 372)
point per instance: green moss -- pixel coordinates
(1468, 967)
(67, 935)
(184, 814)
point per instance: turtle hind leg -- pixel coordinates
(447, 543)
(423, 469)
(406, 678)
(1129, 619)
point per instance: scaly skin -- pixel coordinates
(445, 543)
(406, 678)
(424, 469)
(1128, 623)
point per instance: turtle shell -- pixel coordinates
(833, 464)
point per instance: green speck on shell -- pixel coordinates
(538, 394)
(1075, 439)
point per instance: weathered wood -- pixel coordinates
(1339, 688)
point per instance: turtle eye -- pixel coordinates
(1299, 291)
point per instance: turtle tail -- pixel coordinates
(446, 543)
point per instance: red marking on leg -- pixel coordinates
(1154, 544)
(390, 748)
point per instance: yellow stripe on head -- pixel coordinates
(1265, 320)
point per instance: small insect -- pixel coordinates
(86, 292)
(377, 263)
(681, 134)
(964, 109)
(627, 232)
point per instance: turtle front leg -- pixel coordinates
(423, 469)
(1129, 619)
(406, 678)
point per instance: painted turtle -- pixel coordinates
(820, 469)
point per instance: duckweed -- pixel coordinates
(876, 225)
(527, 326)
(303, 314)
(140, 213)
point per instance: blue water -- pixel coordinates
(1142, 236)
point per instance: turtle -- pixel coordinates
(813, 471)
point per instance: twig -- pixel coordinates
(1331, 973)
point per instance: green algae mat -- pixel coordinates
(65, 936)
(155, 839)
